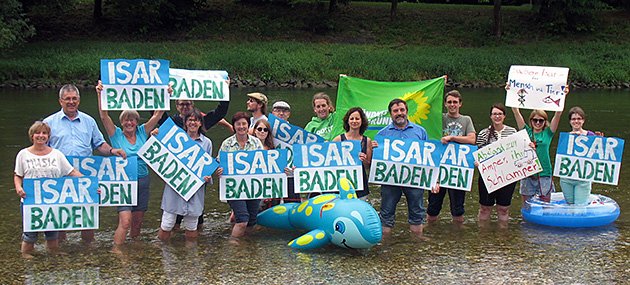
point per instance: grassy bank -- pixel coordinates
(270, 45)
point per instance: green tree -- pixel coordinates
(14, 25)
(562, 16)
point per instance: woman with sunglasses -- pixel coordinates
(502, 197)
(355, 123)
(576, 191)
(261, 131)
(541, 133)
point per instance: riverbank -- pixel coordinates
(270, 47)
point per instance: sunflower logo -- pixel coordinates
(417, 105)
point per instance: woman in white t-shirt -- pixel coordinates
(39, 161)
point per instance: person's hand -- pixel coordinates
(207, 178)
(532, 145)
(507, 86)
(20, 192)
(436, 188)
(476, 163)
(99, 87)
(219, 171)
(566, 90)
(289, 171)
(170, 88)
(374, 144)
(362, 156)
(446, 139)
(598, 133)
(119, 152)
(155, 131)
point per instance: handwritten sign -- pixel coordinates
(177, 159)
(290, 134)
(406, 162)
(135, 84)
(537, 87)
(117, 177)
(67, 203)
(257, 174)
(319, 166)
(507, 161)
(209, 85)
(457, 166)
(589, 158)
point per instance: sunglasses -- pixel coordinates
(538, 121)
(262, 129)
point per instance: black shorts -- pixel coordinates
(501, 197)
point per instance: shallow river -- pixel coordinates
(519, 253)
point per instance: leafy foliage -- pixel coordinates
(14, 26)
(562, 16)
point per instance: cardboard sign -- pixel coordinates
(537, 87)
(177, 159)
(406, 162)
(59, 204)
(208, 85)
(506, 161)
(256, 174)
(135, 84)
(117, 177)
(319, 166)
(457, 166)
(290, 134)
(589, 158)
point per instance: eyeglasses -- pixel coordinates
(577, 119)
(184, 104)
(192, 119)
(260, 129)
(497, 114)
(70, 99)
(538, 121)
(452, 102)
(279, 110)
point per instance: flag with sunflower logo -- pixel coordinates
(424, 102)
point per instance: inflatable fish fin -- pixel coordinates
(311, 240)
(346, 189)
(277, 217)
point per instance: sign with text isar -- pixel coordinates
(319, 166)
(177, 159)
(117, 177)
(256, 174)
(589, 158)
(406, 162)
(506, 161)
(290, 134)
(537, 87)
(135, 84)
(60, 204)
(457, 166)
(208, 85)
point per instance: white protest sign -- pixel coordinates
(55, 204)
(507, 160)
(319, 166)
(134, 84)
(209, 85)
(117, 177)
(256, 174)
(177, 159)
(457, 166)
(537, 87)
(589, 158)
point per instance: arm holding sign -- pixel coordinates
(108, 123)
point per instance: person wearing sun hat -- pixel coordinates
(257, 106)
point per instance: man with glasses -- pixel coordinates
(459, 129)
(257, 106)
(75, 133)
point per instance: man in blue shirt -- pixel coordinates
(75, 133)
(400, 127)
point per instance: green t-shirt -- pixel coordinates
(543, 142)
(322, 128)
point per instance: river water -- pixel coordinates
(519, 253)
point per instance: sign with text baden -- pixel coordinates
(256, 174)
(457, 166)
(135, 84)
(117, 177)
(208, 85)
(319, 166)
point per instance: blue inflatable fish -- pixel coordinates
(341, 219)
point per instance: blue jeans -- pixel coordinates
(31, 237)
(143, 196)
(456, 197)
(245, 211)
(390, 195)
(575, 191)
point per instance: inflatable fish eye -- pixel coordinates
(340, 227)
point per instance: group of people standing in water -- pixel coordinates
(70, 132)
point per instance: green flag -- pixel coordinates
(424, 101)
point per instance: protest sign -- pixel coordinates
(209, 85)
(537, 87)
(54, 204)
(589, 158)
(457, 166)
(117, 177)
(406, 162)
(177, 159)
(319, 166)
(135, 84)
(256, 174)
(290, 134)
(506, 161)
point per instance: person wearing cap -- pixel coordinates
(282, 110)
(257, 105)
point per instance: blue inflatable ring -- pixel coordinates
(600, 211)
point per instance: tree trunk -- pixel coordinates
(497, 18)
(392, 11)
(98, 10)
(332, 6)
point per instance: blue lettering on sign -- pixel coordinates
(65, 190)
(134, 72)
(591, 147)
(285, 132)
